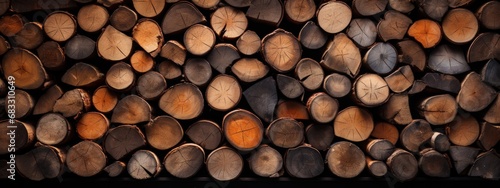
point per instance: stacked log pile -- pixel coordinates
(259, 88)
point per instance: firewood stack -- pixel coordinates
(269, 88)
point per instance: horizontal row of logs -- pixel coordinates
(268, 88)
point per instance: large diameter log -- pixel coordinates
(149, 8)
(282, 50)
(114, 45)
(463, 130)
(131, 109)
(300, 158)
(320, 136)
(86, 159)
(265, 161)
(60, 26)
(224, 164)
(72, 103)
(242, 129)
(144, 164)
(205, 133)
(342, 55)
(25, 67)
(333, 16)
(486, 165)
(434, 164)
(24, 136)
(460, 26)
(53, 129)
(43, 162)
(147, 33)
(184, 161)
(122, 140)
(164, 132)
(415, 134)
(370, 90)
(322, 107)
(285, 132)
(92, 126)
(426, 32)
(438, 109)
(403, 165)
(263, 98)
(228, 22)
(199, 39)
(266, 11)
(345, 159)
(353, 123)
(182, 101)
(462, 157)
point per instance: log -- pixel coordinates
(269, 12)
(491, 115)
(418, 86)
(440, 142)
(448, 60)
(375, 167)
(197, 71)
(199, 39)
(434, 164)
(383, 130)
(184, 161)
(310, 73)
(353, 123)
(149, 8)
(123, 18)
(281, 50)
(249, 69)
(82, 75)
(438, 109)
(113, 45)
(182, 101)
(72, 103)
(228, 22)
(85, 159)
(484, 47)
(189, 15)
(300, 11)
(222, 56)
(223, 93)
(104, 99)
(411, 53)
(381, 58)
(443, 82)
(458, 3)
(426, 32)
(11, 24)
(394, 25)
(337, 85)
(415, 134)
(434, 9)
(463, 130)
(463, 157)
(43, 162)
(403, 165)
(53, 129)
(169, 70)
(25, 136)
(122, 140)
(92, 126)
(51, 55)
(345, 159)
(141, 61)
(379, 149)
(397, 110)
(322, 107)
(370, 90)
(24, 103)
(131, 109)
(4, 45)
(25, 67)
(291, 109)
(151, 85)
(174, 51)
(266, 162)
(285, 132)
(143, 164)
(263, 98)
(30, 37)
(205, 133)
(402, 6)
(333, 16)
(401, 79)
(120, 77)
(474, 94)
(224, 164)
(248, 43)
(489, 136)
(289, 87)
(242, 129)
(147, 33)
(60, 26)
(490, 73)
(304, 157)
(210, 4)
(46, 101)
(106, 3)
(312, 36)
(486, 165)
(320, 136)
(239, 3)
(362, 31)
(486, 14)
(342, 56)
(460, 26)
(164, 132)
(4, 6)
(92, 18)
(79, 47)
(369, 8)
(115, 169)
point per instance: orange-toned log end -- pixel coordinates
(426, 32)
(243, 129)
(92, 126)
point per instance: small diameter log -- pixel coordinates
(24, 103)
(53, 129)
(164, 132)
(82, 75)
(143, 164)
(443, 82)
(72, 103)
(482, 48)
(285, 132)
(239, 3)
(85, 159)
(310, 73)
(11, 24)
(322, 107)
(320, 136)
(199, 39)
(403, 165)
(334, 16)
(122, 140)
(462, 157)
(79, 47)
(249, 69)
(353, 124)
(460, 26)
(120, 77)
(490, 73)
(397, 110)
(182, 101)
(370, 90)
(46, 101)
(197, 71)
(147, 33)
(184, 161)
(248, 43)
(242, 129)
(51, 55)
(434, 164)
(281, 50)
(30, 37)
(25, 136)
(379, 149)
(104, 99)
(394, 25)
(266, 162)
(362, 31)
(300, 11)
(141, 61)
(289, 87)
(222, 56)
(223, 93)
(438, 109)
(487, 13)
(92, 18)
(60, 26)
(463, 130)
(131, 109)
(92, 126)
(375, 167)
(113, 45)
(115, 169)
(491, 115)
(342, 56)
(368, 7)
(413, 54)
(174, 51)
(440, 142)
(188, 14)
(269, 12)
(426, 32)
(486, 165)
(292, 109)
(345, 159)
(151, 85)
(149, 8)
(228, 22)
(206, 4)
(205, 133)
(448, 59)
(25, 67)
(475, 95)
(435, 9)
(337, 85)
(381, 58)
(169, 70)
(312, 36)
(401, 79)
(43, 162)
(304, 162)
(123, 18)
(489, 136)
(263, 98)
(224, 164)
(383, 130)
(415, 135)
